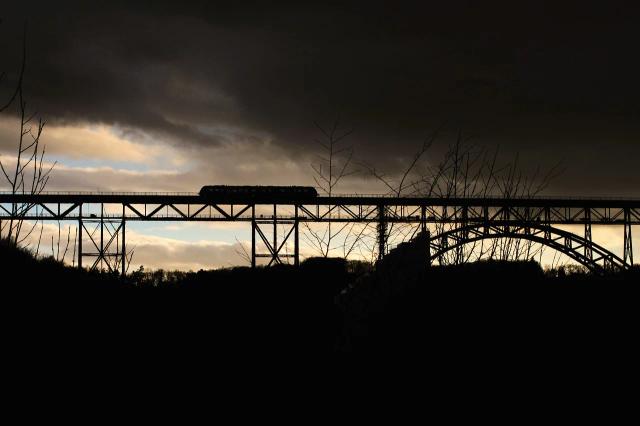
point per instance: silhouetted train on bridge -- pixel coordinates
(259, 194)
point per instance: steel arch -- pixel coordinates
(568, 243)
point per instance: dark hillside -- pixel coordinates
(489, 305)
(324, 306)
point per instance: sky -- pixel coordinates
(155, 96)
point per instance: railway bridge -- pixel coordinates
(102, 220)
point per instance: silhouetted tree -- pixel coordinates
(332, 166)
(465, 171)
(28, 172)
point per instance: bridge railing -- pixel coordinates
(103, 193)
(354, 195)
(490, 196)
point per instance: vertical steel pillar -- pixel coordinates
(506, 217)
(547, 223)
(567, 242)
(253, 236)
(296, 241)
(465, 217)
(423, 219)
(588, 250)
(275, 236)
(628, 244)
(124, 248)
(465, 235)
(382, 232)
(427, 236)
(485, 220)
(80, 226)
(444, 243)
(101, 236)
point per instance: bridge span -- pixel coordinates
(102, 218)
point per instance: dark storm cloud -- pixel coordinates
(544, 79)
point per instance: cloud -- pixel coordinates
(94, 143)
(196, 76)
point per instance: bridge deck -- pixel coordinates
(349, 200)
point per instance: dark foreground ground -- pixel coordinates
(485, 311)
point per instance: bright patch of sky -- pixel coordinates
(196, 231)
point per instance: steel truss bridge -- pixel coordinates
(102, 218)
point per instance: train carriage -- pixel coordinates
(258, 194)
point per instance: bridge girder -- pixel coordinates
(516, 217)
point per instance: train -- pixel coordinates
(258, 194)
